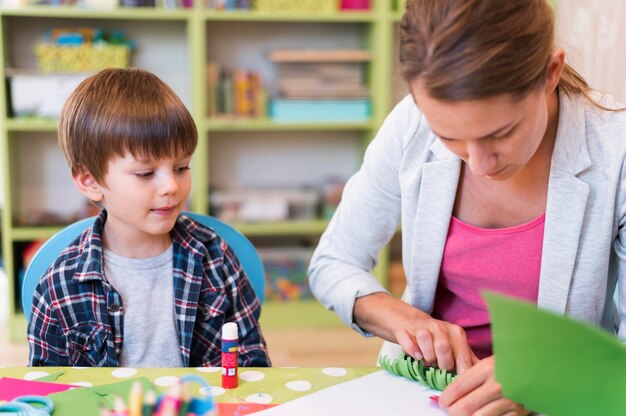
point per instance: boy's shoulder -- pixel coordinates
(76, 260)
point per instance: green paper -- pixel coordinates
(50, 378)
(85, 401)
(555, 365)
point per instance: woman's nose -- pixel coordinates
(480, 160)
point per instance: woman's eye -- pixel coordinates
(501, 136)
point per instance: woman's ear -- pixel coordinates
(555, 67)
(88, 186)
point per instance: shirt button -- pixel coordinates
(115, 307)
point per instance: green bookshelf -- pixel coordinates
(375, 31)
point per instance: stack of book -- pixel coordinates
(321, 85)
(236, 93)
(228, 4)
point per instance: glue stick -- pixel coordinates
(230, 355)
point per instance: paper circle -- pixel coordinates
(33, 375)
(252, 375)
(335, 371)
(213, 391)
(208, 369)
(124, 372)
(260, 398)
(299, 385)
(166, 381)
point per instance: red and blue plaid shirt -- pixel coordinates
(77, 316)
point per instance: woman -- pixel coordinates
(506, 173)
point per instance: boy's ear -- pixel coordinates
(88, 186)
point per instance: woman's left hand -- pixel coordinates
(476, 392)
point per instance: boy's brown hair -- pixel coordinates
(123, 110)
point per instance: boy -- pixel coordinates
(145, 286)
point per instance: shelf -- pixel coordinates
(265, 124)
(125, 13)
(34, 233)
(313, 227)
(256, 16)
(31, 124)
(200, 31)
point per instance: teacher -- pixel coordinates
(506, 172)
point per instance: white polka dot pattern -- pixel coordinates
(33, 375)
(252, 376)
(166, 381)
(260, 398)
(299, 385)
(335, 371)
(124, 372)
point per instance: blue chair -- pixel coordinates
(50, 250)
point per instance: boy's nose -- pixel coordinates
(168, 185)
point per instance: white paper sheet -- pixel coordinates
(376, 394)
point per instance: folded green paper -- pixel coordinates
(555, 365)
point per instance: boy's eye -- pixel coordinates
(182, 169)
(144, 175)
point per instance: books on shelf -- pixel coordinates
(320, 55)
(321, 86)
(234, 93)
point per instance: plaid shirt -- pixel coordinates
(77, 316)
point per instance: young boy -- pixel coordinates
(145, 286)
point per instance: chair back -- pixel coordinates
(52, 248)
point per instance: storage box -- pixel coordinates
(41, 95)
(264, 205)
(286, 273)
(83, 58)
(296, 6)
(320, 110)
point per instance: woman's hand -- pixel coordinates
(476, 392)
(439, 343)
(418, 334)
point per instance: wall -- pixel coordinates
(592, 33)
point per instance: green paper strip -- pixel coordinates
(409, 368)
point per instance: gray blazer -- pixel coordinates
(409, 176)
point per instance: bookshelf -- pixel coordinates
(177, 45)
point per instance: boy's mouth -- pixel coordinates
(164, 210)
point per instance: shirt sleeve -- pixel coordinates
(245, 311)
(46, 340)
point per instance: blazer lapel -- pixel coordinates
(438, 187)
(565, 210)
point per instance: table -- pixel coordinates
(256, 385)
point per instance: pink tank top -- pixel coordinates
(504, 260)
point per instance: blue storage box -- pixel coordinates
(320, 110)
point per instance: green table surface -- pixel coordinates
(266, 385)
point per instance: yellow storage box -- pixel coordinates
(296, 6)
(85, 58)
